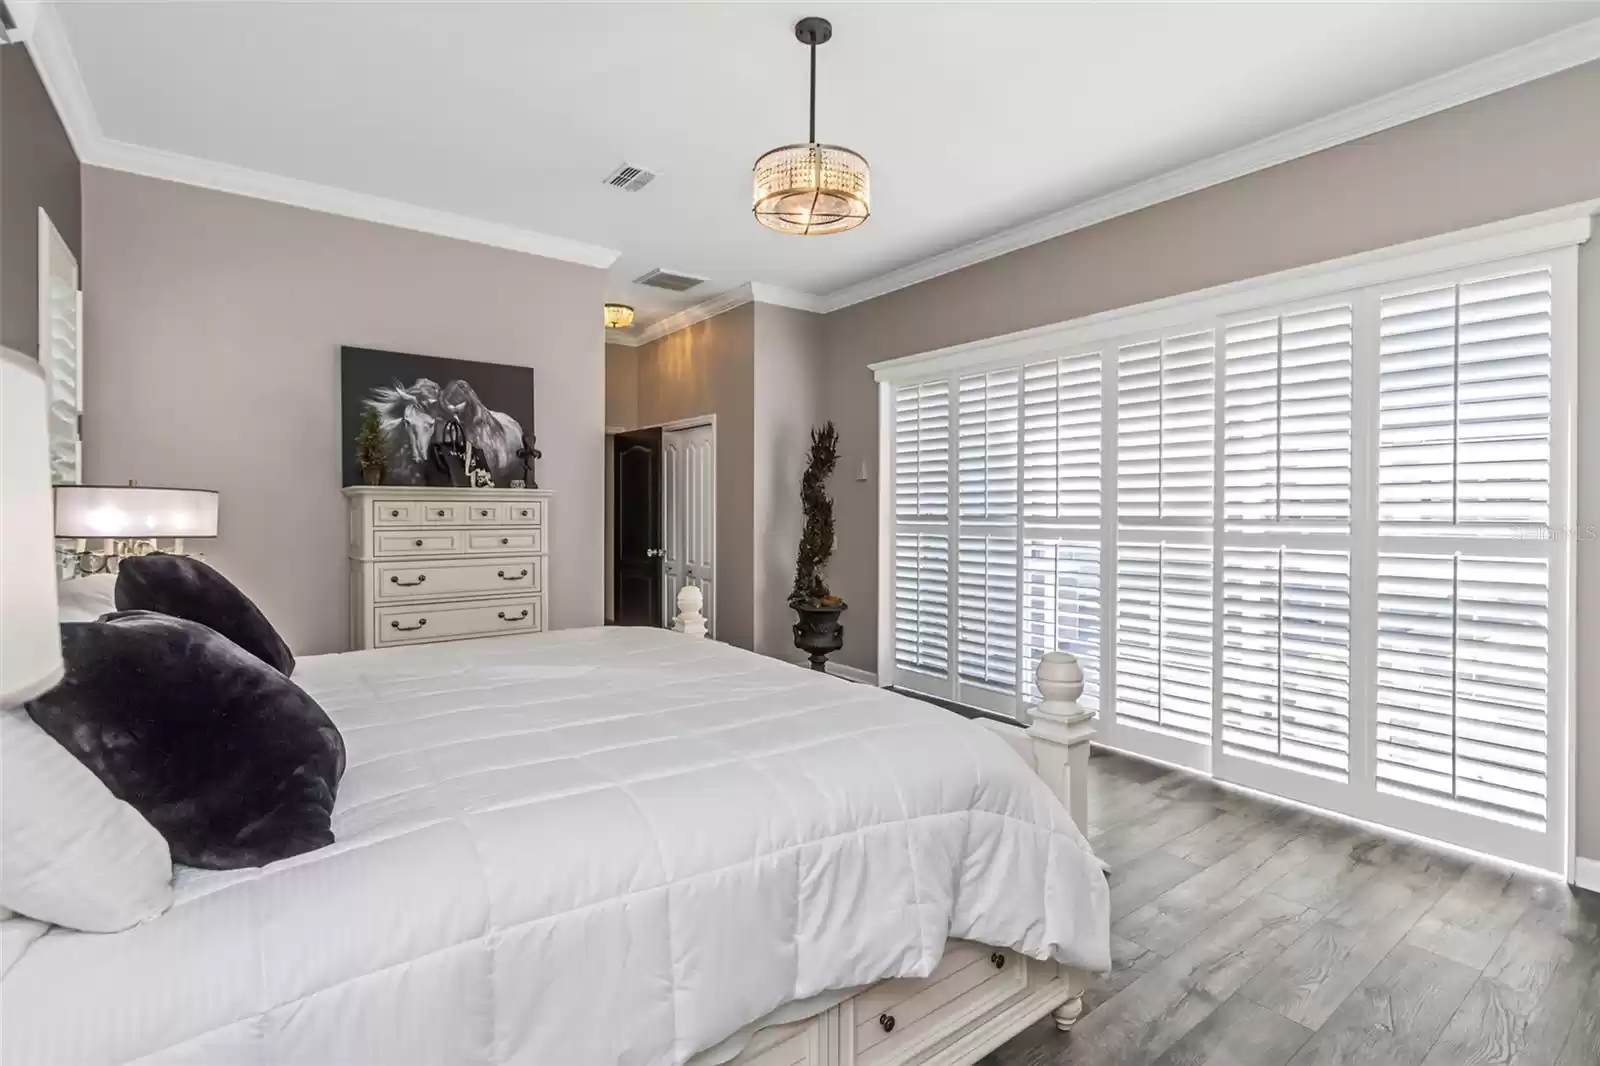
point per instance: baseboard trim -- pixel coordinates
(1587, 874)
(853, 673)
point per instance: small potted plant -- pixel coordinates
(819, 632)
(370, 449)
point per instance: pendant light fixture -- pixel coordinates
(618, 316)
(812, 188)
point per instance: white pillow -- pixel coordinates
(74, 854)
(84, 599)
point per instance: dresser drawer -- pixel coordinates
(443, 579)
(896, 1020)
(504, 541)
(525, 514)
(444, 514)
(397, 512)
(448, 621)
(417, 542)
(485, 514)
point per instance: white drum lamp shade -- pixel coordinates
(134, 512)
(30, 637)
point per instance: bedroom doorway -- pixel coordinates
(689, 474)
(637, 483)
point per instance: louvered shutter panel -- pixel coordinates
(986, 621)
(1286, 426)
(1165, 412)
(988, 445)
(1164, 628)
(1465, 406)
(1061, 608)
(63, 365)
(922, 602)
(922, 451)
(1061, 440)
(1286, 658)
(1463, 682)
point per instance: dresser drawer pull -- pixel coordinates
(394, 514)
(886, 1022)
(504, 540)
(524, 514)
(418, 543)
(439, 513)
(516, 618)
(483, 514)
(409, 629)
(394, 579)
(514, 577)
(998, 960)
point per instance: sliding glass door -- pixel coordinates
(1319, 546)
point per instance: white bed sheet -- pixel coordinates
(592, 846)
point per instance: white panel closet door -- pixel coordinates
(689, 465)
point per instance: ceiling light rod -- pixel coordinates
(812, 31)
(812, 188)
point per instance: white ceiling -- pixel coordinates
(975, 117)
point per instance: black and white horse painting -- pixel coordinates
(492, 403)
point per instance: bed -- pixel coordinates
(614, 846)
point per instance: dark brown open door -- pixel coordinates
(637, 582)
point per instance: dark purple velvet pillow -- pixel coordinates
(187, 588)
(230, 760)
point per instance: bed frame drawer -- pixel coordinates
(897, 1020)
(451, 579)
(424, 623)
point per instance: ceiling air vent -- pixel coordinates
(664, 279)
(630, 178)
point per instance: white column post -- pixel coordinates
(689, 620)
(1060, 732)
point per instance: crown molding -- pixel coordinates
(707, 308)
(780, 297)
(1548, 55)
(58, 68)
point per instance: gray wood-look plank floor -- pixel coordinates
(1246, 933)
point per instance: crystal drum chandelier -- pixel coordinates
(618, 316)
(812, 188)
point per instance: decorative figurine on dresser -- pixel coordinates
(436, 564)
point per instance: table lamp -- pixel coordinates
(131, 519)
(30, 634)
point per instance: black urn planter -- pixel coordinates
(819, 632)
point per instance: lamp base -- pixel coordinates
(86, 563)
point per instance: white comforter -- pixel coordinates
(594, 846)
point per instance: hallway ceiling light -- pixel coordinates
(812, 188)
(618, 316)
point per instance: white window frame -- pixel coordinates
(1548, 239)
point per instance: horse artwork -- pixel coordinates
(431, 409)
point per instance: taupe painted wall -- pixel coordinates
(1528, 149)
(216, 323)
(787, 404)
(38, 168)
(709, 368)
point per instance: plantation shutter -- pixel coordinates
(1463, 682)
(1286, 658)
(1164, 637)
(921, 543)
(1464, 400)
(988, 470)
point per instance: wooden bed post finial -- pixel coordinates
(690, 621)
(1060, 729)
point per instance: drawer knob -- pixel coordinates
(514, 618)
(524, 514)
(886, 1022)
(504, 540)
(409, 629)
(418, 543)
(484, 514)
(394, 514)
(514, 577)
(999, 960)
(395, 579)
(439, 513)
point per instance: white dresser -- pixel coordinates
(446, 564)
